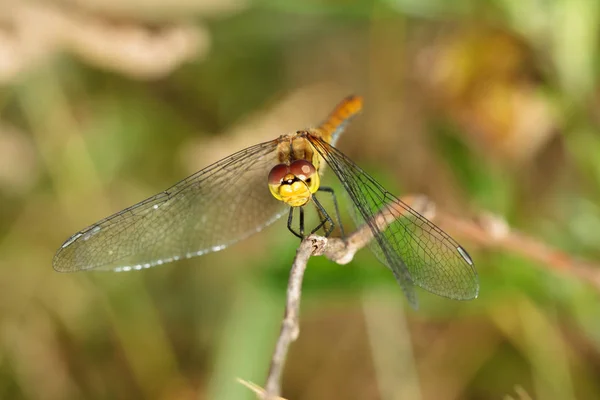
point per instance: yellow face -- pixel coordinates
(294, 184)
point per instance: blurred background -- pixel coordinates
(484, 106)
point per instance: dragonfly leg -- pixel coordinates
(291, 219)
(326, 222)
(329, 190)
(324, 217)
(301, 222)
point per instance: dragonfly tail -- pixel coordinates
(339, 118)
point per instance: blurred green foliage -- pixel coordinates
(481, 105)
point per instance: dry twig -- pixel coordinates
(339, 250)
(260, 392)
(488, 231)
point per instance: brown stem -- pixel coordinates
(488, 231)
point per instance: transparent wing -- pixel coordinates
(417, 251)
(217, 206)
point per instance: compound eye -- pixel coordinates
(277, 174)
(303, 169)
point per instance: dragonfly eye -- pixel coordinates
(303, 170)
(277, 174)
(294, 183)
(306, 172)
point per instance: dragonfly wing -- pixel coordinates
(416, 250)
(217, 206)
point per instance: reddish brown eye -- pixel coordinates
(302, 169)
(277, 174)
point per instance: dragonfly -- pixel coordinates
(243, 193)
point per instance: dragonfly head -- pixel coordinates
(294, 184)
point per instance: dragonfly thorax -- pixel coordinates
(295, 183)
